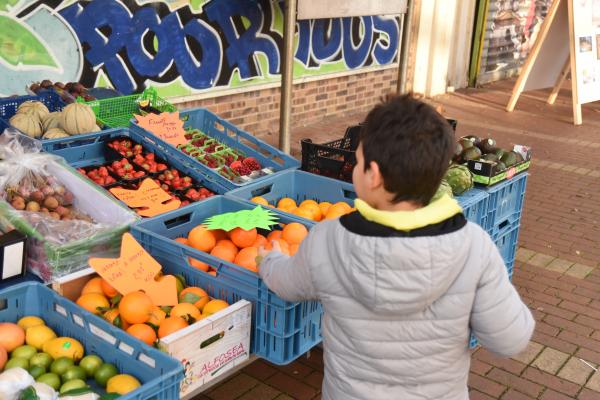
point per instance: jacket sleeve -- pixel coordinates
(290, 277)
(500, 320)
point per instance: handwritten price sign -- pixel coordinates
(166, 126)
(135, 270)
(149, 199)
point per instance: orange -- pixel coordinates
(224, 253)
(324, 206)
(136, 307)
(107, 289)
(303, 213)
(260, 241)
(95, 303)
(242, 238)
(341, 206)
(214, 306)
(307, 202)
(294, 233)
(286, 202)
(195, 296)
(314, 210)
(212, 272)
(219, 234)
(246, 258)
(113, 318)
(143, 332)
(260, 200)
(288, 209)
(198, 264)
(94, 285)
(182, 240)
(186, 311)
(274, 235)
(202, 239)
(157, 316)
(285, 247)
(334, 213)
(171, 325)
(228, 243)
(294, 249)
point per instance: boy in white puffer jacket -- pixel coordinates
(403, 280)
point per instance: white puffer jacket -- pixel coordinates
(400, 306)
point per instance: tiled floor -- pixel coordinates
(557, 271)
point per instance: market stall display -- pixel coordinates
(53, 346)
(223, 152)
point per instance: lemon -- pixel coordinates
(122, 384)
(37, 336)
(30, 321)
(64, 347)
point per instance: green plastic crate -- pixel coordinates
(116, 112)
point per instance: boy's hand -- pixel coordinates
(262, 252)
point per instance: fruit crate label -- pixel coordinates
(102, 334)
(149, 199)
(245, 219)
(135, 269)
(167, 126)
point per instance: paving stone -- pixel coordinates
(575, 371)
(261, 392)
(582, 171)
(559, 265)
(579, 271)
(594, 174)
(233, 388)
(530, 353)
(594, 382)
(540, 260)
(550, 360)
(524, 254)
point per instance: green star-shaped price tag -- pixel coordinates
(245, 219)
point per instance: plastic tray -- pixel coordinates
(475, 206)
(9, 105)
(116, 112)
(298, 185)
(160, 374)
(506, 201)
(228, 134)
(282, 331)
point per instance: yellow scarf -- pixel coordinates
(436, 212)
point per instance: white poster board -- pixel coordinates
(586, 31)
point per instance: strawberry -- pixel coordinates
(251, 163)
(161, 167)
(236, 165)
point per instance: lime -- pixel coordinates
(42, 360)
(90, 364)
(50, 379)
(17, 362)
(74, 384)
(104, 373)
(36, 371)
(26, 351)
(73, 373)
(60, 365)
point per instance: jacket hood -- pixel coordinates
(410, 269)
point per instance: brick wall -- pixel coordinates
(258, 111)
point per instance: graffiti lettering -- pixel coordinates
(131, 44)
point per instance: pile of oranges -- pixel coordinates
(140, 317)
(241, 246)
(308, 209)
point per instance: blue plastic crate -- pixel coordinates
(282, 331)
(9, 105)
(228, 134)
(297, 185)
(160, 374)
(506, 201)
(507, 244)
(87, 150)
(475, 206)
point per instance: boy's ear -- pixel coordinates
(375, 178)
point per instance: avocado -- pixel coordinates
(487, 145)
(490, 157)
(509, 158)
(472, 153)
(499, 167)
(499, 153)
(465, 143)
(473, 139)
(457, 151)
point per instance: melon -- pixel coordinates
(29, 124)
(36, 108)
(52, 120)
(78, 118)
(55, 133)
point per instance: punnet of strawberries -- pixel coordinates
(126, 147)
(148, 163)
(99, 176)
(124, 170)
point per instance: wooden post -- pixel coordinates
(560, 81)
(577, 119)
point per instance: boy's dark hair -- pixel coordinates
(411, 143)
